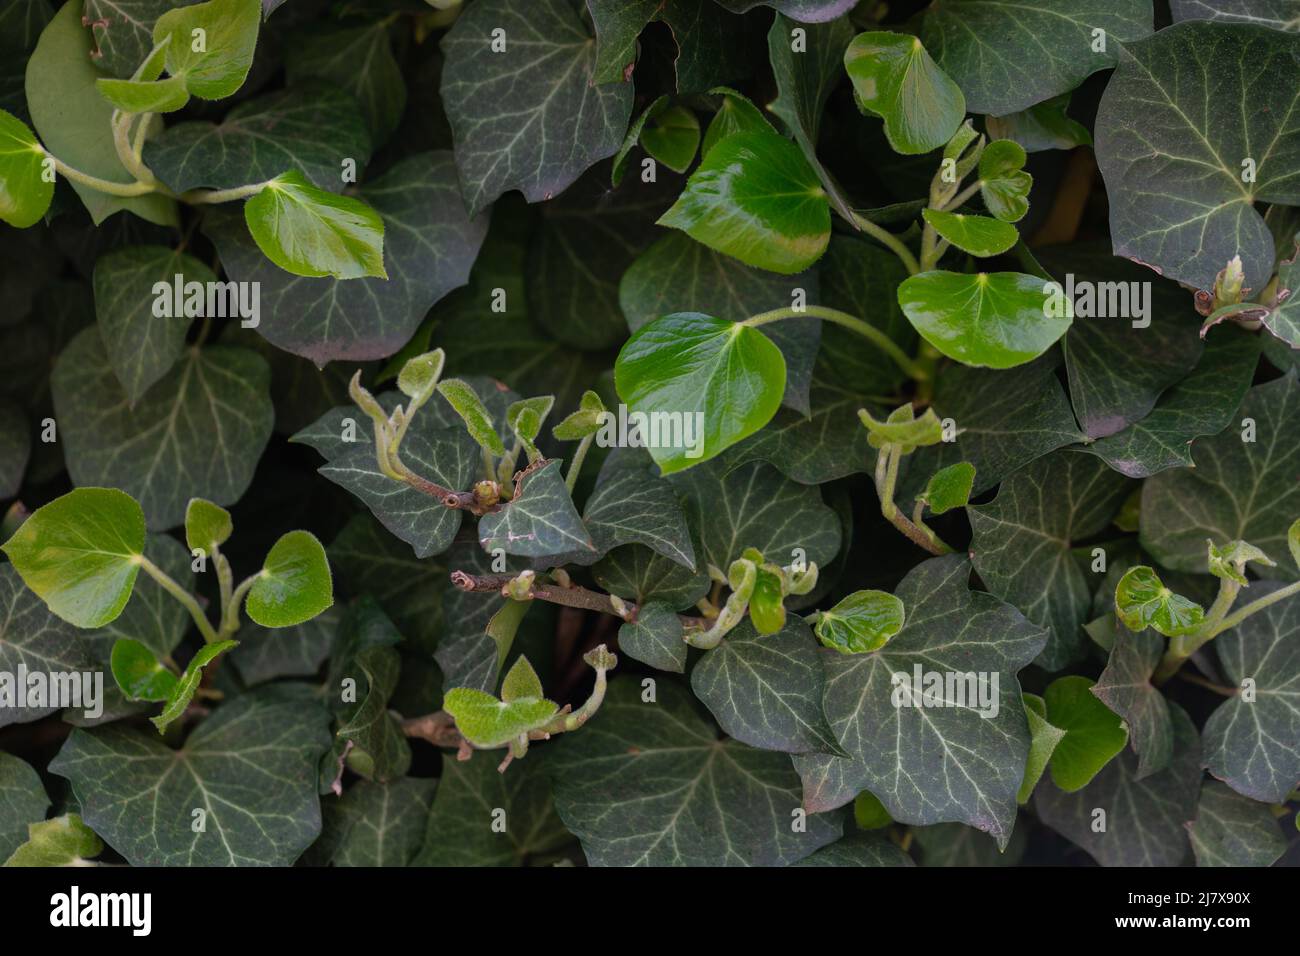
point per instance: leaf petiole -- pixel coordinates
(186, 599)
(850, 322)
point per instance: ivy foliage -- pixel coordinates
(649, 432)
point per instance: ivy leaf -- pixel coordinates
(671, 771)
(981, 236)
(805, 11)
(1145, 818)
(1250, 744)
(644, 576)
(229, 29)
(314, 233)
(953, 844)
(672, 137)
(207, 526)
(949, 488)
(180, 693)
(152, 616)
(198, 431)
(931, 764)
(540, 520)
(75, 122)
(654, 637)
(429, 247)
(983, 45)
(529, 118)
(123, 31)
(1201, 404)
(859, 849)
(22, 802)
(804, 82)
(142, 345)
(1021, 544)
(755, 197)
(1125, 687)
(1232, 830)
(331, 52)
(618, 22)
(1004, 421)
(32, 637)
(81, 553)
(995, 320)
(487, 722)
(251, 767)
(140, 674)
(478, 420)
(63, 841)
(766, 689)
(295, 582)
(15, 448)
(375, 824)
(1043, 738)
(736, 114)
(1004, 185)
(895, 78)
(1180, 201)
(1043, 126)
(24, 193)
(290, 652)
(312, 129)
(1142, 601)
(1093, 732)
(366, 656)
(630, 504)
(677, 274)
(139, 96)
(459, 830)
(862, 622)
(1184, 507)
(718, 380)
(754, 506)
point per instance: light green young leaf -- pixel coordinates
(1142, 600)
(294, 584)
(24, 193)
(473, 412)
(1043, 738)
(140, 674)
(902, 427)
(689, 367)
(862, 622)
(487, 722)
(526, 417)
(1004, 184)
(672, 137)
(207, 525)
(183, 691)
(766, 607)
(310, 232)
(1230, 560)
(210, 45)
(63, 841)
(991, 319)
(1093, 732)
(521, 682)
(145, 96)
(419, 376)
(755, 197)
(894, 77)
(949, 488)
(585, 421)
(979, 235)
(81, 554)
(736, 114)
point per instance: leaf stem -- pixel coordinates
(571, 479)
(918, 532)
(186, 599)
(889, 240)
(850, 322)
(197, 197)
(125, 190)
(962, 196)
(1232, 620)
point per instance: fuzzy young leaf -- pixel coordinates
(488, 722)
(949, 488)
(466, 403)
(1142, 601)
(294, 584)
(207, 526)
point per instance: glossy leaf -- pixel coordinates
(140, 674)
(981, 236)
(215, 62)
(895, 78)
(24, 193)
(1004, 185)
(862, 622)
(294, 584)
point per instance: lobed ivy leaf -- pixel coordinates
(530, 118)
(22, 802)
(895, 78)
(1125, 687)
(331, 52)
(1231, 830)
(198, 430)
(251, 767)
(1022, 541)
(721, 380)
(1180, 201)
(540, 520)
(374, 824)
(630, 504)
(644, 785)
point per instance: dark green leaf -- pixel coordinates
(1232, 830)
(360, 60)
(374, 824)
(655, 637)
(859, 849)
(1125, 687)
(540, 520)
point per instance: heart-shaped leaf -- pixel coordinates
(949, 488)
(207, 525)
(997, 319)
(862, 622)
(487, 722)
(311, 232)
(140, 674)
(210, 45)
(1004, 184)
(1180, 197)
(294, 584)
(24, 192)
(894, 77)
(672, 137)
(755, 197)
(981, 236)
(81, 553)
(702, 384)
(1094, 733)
